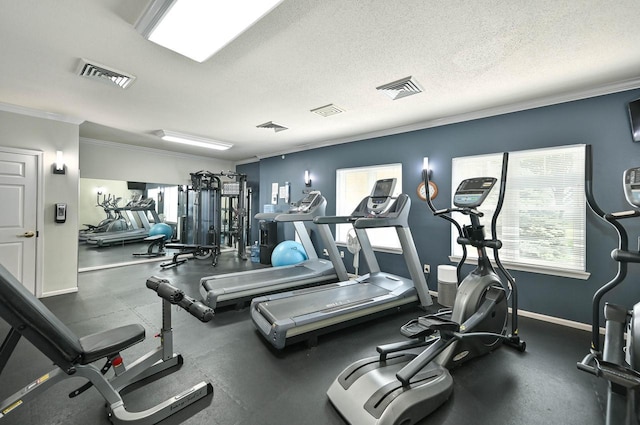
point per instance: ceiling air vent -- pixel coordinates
(272, 125)
(104, 74)
(401, 88)
(327, 110)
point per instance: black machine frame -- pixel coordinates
(212, 209)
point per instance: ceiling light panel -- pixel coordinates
(327, 110)
(188, 139)
(401, 88)
(199, 28)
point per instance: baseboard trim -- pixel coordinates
(549, 319)
(127, 263)
(59, 292)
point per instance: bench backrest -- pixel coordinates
(34, 321)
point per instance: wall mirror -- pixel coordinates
(113, 216)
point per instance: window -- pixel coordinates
(169, 195)
(353, 184)
(542, 223)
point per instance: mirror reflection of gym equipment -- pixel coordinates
(95, 192)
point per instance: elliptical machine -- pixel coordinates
(402, 388)
(618, 362)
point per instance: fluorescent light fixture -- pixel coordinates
(187, 139)
(199, 28)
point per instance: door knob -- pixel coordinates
(28, 234)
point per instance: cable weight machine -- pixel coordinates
(212, 211)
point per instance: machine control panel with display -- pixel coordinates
(471, 193)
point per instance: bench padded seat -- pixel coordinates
(103, 344)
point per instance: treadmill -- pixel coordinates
(302, 315)
(239, 287)
(138, 220)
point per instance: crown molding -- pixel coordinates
(134, 148)
(22, 110)
(550, 100)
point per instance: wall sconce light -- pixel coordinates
(425, 168)
(58, 166)
(423, 189)
(99, 191)
(307, 178)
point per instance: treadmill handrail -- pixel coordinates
(288, 217)
(316, 209)
(336, 219)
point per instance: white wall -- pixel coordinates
(59, 259)
(115, 161)
(99, 160)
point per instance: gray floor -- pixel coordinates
(254, 385)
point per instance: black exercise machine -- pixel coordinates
(74, 356)
(155, 248)
(189, 251)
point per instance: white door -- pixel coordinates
(18, 203)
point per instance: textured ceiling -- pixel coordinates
(470, 57)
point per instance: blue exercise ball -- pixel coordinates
(288, 253)
(161, 229)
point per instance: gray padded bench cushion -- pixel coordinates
(102, 344)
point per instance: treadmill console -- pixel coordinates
(471, 193)
(380, 197)
(632, 186)
(305, 204)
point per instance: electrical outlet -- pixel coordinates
(427, 268)
(342, 254)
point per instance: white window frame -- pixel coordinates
(348, 196)
(170, 194)
(563, 253)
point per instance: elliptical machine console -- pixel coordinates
(471, 193)
(631, 178)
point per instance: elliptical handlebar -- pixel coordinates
(623, 246)
(496, 246)
(489, 243)
(442, 213)
(465, 211)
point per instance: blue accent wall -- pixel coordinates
(600, 121)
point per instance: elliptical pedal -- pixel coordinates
(414, 329)
(439, 324)
(428, 325)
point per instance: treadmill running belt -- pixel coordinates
(319, 301)
(273, 274)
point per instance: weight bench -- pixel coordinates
(188, 251)
(74, 356)
(154, 241)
